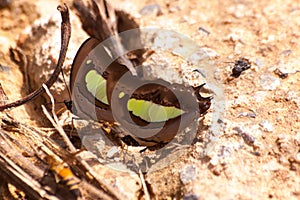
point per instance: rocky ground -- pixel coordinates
(256, 154)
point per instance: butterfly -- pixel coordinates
(142, 112)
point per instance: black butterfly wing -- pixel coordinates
(121, 87)
(159, 93)
(85, 103)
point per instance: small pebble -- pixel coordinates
(240, 65)
(280, 74)
(152, 9)
(272, 166)
(297, 157)
(214, 161)
(248, 138)
(188, 174)
(286, 52)
(4, 68)
(239, 11)
(259, 62)
(247, 114)
(174, 9)
(267, 126)
(269, 82)
(260, 96)
(190, 197)
(293, 96)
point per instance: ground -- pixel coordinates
(257, 152)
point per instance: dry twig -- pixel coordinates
(65, 37)
(55, 121)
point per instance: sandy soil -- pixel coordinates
(257, 153)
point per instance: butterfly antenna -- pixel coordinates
(68, 103)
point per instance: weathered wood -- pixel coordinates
(43, 146)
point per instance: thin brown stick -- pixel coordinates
(24, 175)
(55, 122)
(40, 143)
(3, 96)
(147, 195)
(10, 171)
(106, 187)
(65, 37)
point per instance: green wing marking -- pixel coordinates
(96, 85)
(146, 110)
(152, 112)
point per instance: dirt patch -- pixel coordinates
(257, 152)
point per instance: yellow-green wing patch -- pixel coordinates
(96, 85)
(152, 112)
